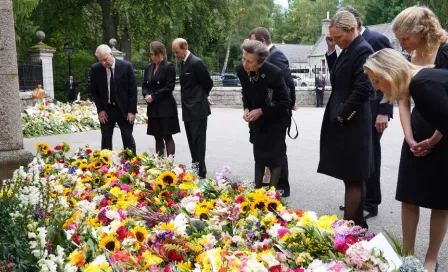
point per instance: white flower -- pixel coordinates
(317, 266)
(70, 268)
(270, 259)
(113, 215)
(180, 222)
(254, 266)
(273, 231)
(100, 260)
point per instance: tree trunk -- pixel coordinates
(109, 21)
(226, 60)
(125, 41)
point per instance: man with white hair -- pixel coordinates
(114, 90)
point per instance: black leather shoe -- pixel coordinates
(367, 214)
(342, 207)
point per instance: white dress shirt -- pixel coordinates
(108, 79)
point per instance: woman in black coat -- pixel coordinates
(346, 150)
(157, 89)
(399, 79)
(266, 107)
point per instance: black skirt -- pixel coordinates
(163, 126)
(423, 181)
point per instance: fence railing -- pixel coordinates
(30, 74)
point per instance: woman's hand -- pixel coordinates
(148, 98)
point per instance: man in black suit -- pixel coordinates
(320, 88)
(114, 90)
(279, 59)
(381, 114)
(195, 87)
(72, 87)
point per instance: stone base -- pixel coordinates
(12, 160)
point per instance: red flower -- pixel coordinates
(167, 268)
(88, 151)
(174, 256)
(75, 238)
(122, 233)
(275, 268)
(350, 240)
(58, 147)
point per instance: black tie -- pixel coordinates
(112, 86)
(181, 66)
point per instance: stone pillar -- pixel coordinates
(326, 25)
(12, 154)
(117, 54)
(45, 53)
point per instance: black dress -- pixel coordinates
(162, 112)
(423, 181)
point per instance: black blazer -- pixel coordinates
(320, 83)
(279, 59)
(268, 93)
(196, 84)
(75, 85)
(125, 87)
(160, 86)
(378, 41)
(346, 148)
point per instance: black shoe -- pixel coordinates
(367, 214)
(342, 207)
(364, 225)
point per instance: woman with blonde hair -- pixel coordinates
(346, 150)
(399, 79)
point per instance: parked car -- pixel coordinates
(230, 80)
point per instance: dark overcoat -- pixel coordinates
(346, 150)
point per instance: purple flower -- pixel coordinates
(125, 187)
(41, 214)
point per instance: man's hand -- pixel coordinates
(210, 101)
(103, 117)
(131, 118)
(254, 115)
(330, 43)
(148, 98)
(245, 115)
(381, 122)
(295, 107)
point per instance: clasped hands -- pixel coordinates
(253, 115)
(420, 149)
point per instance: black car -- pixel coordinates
(230, 80)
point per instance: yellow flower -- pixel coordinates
(226, 200)
(151, 259)
(76, 257)
(188, 186)
(97, 164)
(326, 221)
(140, 233)
(38, 146)
(194, 247)
(244, 207)
(110, 243)
(94, 222)
(47, 173)
(184, 266)
(47, 167)
(76, 163)
(202, 213)
(273, 205)
(96, 181)
(68, 118)
(86, 179)
(45, 148)
(115, 191)
(168, 178)
(96, 153)
(104, 267)
(105, 159)
(84, 167)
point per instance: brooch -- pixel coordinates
(262, 76)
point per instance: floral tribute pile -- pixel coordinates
(48, 118)
(108, 211)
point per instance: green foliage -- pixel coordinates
(81, 60)
(14, 246)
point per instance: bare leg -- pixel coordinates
(410, 215)
(437, 231)
(267, 176)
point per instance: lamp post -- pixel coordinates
(68, 51)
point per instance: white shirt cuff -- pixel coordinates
(329, 53)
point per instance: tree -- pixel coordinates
(23, 29)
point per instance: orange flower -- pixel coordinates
(299, 213)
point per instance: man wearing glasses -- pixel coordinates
(114, 90)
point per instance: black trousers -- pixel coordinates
(319, 98)
(196, 135)
(373, 198)
(71, 95)
(283, 182)
(114, 116)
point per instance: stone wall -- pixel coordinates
(231, 96)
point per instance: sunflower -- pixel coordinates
(158, 184)
(226, 200)
(202, 204)
(38, 146)
(244, 207)
(168, 178)
(110, 243)
(258, 204)
(97, 164)
(76, 163)
(96, 153)
(91, 167)
(47, 167)
(164, 194)
(84, 167)
(272, 205)
(47, 173)
(86, 179)
(96, 181)
(140, 233)
(68, 118)
(105, 159)
(202, 213)
(45, 147)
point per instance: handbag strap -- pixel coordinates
(289, 129)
